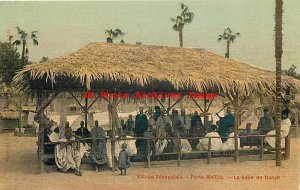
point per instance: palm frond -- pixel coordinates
(35, 42)
(175, 27)
(182, 6)
(18, 29)
(108, 31)
(10, 38)
(220, 37)
(173, 20)
(229, 30)
(179, 19)
(232, 38)
(119, 32)
(24, 35)
(16, 43)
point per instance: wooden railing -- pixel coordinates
(179, 153)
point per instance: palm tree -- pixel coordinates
(23, 37)
(229, 37)
(44, 59)
(112, 34)
(186, 16)
(278, 55)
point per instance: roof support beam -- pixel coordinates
(76, 100)
(197, 105)
(45, 104)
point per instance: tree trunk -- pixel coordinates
(181, 37)
(40, 100)
(227, 52)
(23, 52)
(278, 55)
(236, 127)
(7, 96)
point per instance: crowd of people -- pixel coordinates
(155, 126)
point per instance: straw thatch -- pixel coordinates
(9, 114)
(123, 67)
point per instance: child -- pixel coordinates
(124, 160)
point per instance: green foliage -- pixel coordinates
(186, 16)
(228, 35)
(112, 34)
(9, 62)
(44, 59)
(22, 41)
(292, 72)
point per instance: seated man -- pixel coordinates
(98, 152)
(82, 131)
(285, 128)
(266, 123)
(196, 123)
(186, 122)
(130, 125)
(67, 155)
(230, 143)
(176, 123)
(184, 143)
(226, 124)
(216, 143)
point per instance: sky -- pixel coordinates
(67, 26)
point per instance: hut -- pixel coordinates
(9, 120)
(130, 68)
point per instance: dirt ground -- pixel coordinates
(19, 170)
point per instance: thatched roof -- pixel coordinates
(29, 108)
(123, 67)
(9, 114)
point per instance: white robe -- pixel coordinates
(131, 148)
(185, 146)
(230, 143)
(285, 128)
(216, 143)
(187, 123)
(161, 123)
(160, 145)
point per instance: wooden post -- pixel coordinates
(86, 112)
(278, 56)
(287, 149)
(40, 99)
(261, 148)
(236, 125)
(296, 123)
(169, 106)
(209, 151)
(20, 124)
(205, 112)
(113, 140)
(179, 148)
(148, 153)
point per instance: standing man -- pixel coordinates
(186, 121)
(196, 123)
(157, 112)
(141, 124)
(226, 124)
(98, 152)
(130, 125)
(266, 123)
(82, 131)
